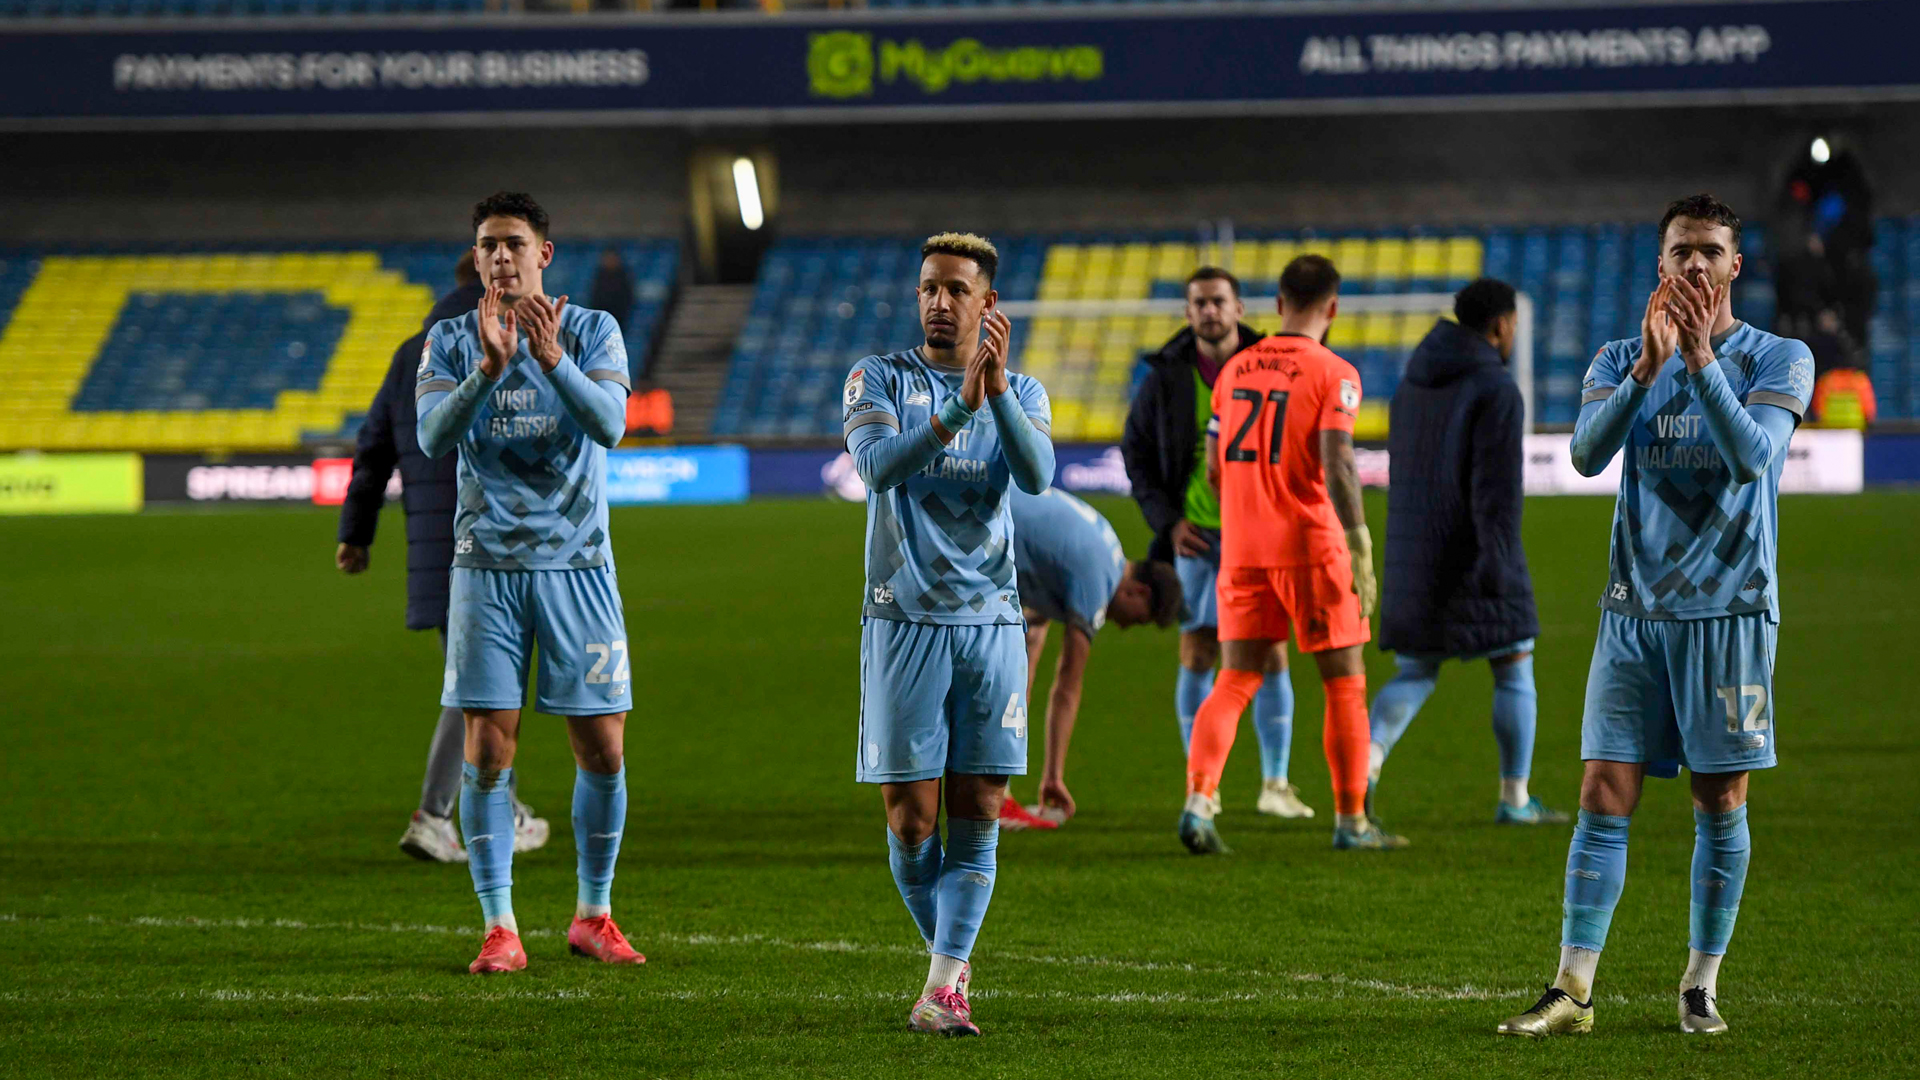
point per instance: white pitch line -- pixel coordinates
(1341, 984)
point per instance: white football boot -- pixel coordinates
(529, 832)
(1281, 799)
(1699, 1013)
(432, 839)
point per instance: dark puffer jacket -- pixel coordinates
(1163, 435)
(1456, 575)
(387, 439)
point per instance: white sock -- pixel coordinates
(1513, 791)
(942, 971)
(1201, 806)
(1277, 783)
(591, 911)
(1350, 822)
(507, 920)
(1576, 972)
(1703, 969)
(1376, 758)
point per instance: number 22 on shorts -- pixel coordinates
(602, 653)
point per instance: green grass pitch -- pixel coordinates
(213, 739)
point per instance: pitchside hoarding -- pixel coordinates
(684, 474)
(70, 484)
(1823, 462)
(835, 66)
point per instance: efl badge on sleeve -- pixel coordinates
(856, 386)
(1349, 395)
(426, 360)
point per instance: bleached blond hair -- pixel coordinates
(967, 246)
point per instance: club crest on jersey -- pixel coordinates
(856, 386)
(1349, 395)
(1800, 376)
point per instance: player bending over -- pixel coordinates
(1072, 571)
(532, 391)
(1703, 407)
(939, 434)
(1295, 553)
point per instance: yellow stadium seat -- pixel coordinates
(1350, 257)
(1427, 258)
(1465, 256)
(1387, 259)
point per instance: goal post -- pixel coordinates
(1084, 351)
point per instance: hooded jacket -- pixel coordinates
(1456, 579)
(1162, 436)
(427, 486)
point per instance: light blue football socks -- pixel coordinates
(916, 873)
(1273, 724)
(966, 885)
(486, 823)
(599, 817)
(1596, 872)
(1190, 690)
(1515, 713)
(1721, 847)
(1398, 702)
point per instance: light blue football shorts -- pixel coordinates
(940, 699)
(1197, 574)
(496, 617)
(1694, 692)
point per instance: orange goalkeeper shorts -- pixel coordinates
(1316, 603)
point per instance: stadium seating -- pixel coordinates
(231, 350)
(823, 302)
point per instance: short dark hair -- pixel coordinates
(1165, 603)
(966, 246)
(465, 274)
(1481, 302)
(1215, 273)
(1701, 207)
(517, 204)
(1309, 280)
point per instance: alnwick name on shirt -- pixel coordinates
(513, 426)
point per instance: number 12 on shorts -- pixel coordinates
(1751, 696)
(601, 653)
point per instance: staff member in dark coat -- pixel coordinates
(1456, 583)
(1162, 446)
(427, 493)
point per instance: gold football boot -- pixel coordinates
(1556, 1013)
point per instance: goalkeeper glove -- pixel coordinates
(1360, 551)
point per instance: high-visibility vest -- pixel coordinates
(1843, 398)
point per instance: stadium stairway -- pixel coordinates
(691, 364)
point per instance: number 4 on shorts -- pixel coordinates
(1015, 717)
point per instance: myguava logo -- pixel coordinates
(840, 64)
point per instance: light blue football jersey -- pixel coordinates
(940, 546)
(1067, 557)
(531, 483)
(1688, 542)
